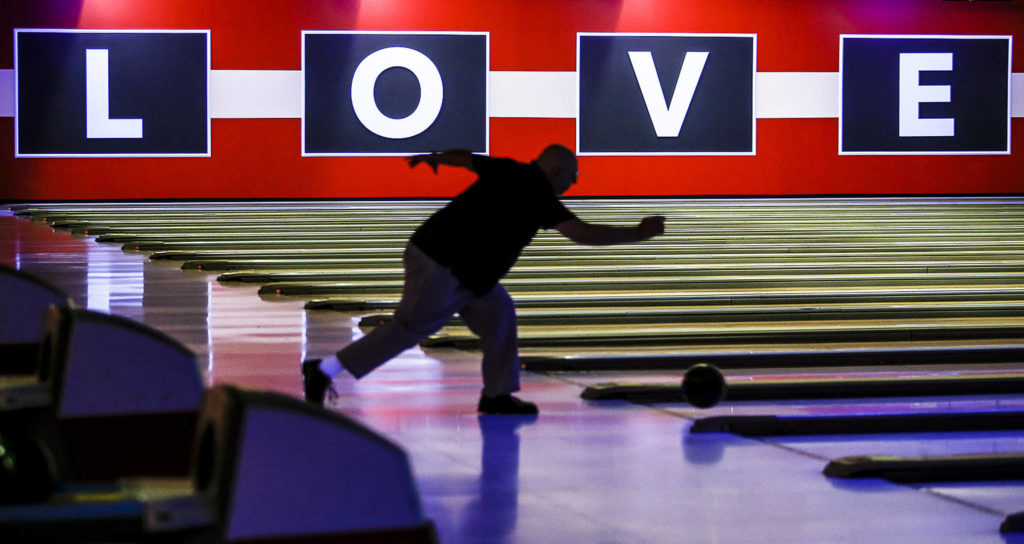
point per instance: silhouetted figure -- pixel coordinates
(456, 258)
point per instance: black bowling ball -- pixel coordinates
(703, 386)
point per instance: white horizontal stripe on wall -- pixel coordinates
(251, 94)
(255, 94)
(1017, 95)
(796, 95)
(6, 93)
(532, 94)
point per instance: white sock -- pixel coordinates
(331, 366)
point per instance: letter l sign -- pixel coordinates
(98, 123)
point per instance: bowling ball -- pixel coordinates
(703, 386)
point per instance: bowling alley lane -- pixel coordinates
(584, 471)
(994, 496)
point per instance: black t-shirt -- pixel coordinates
(480, 233)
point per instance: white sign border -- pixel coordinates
(753, 98)
(209, 132)
(1009, 92)
(302, 97)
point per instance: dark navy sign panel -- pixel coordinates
(112, 93)
(394, 93)
(636, 89)
(925, 95)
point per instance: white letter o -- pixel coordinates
(431, 92)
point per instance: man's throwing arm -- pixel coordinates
(591, 234)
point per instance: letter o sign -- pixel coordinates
(431, 92)
(437, 98)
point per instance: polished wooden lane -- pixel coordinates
(782, 274)
(583, 472)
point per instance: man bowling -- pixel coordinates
(455, 260)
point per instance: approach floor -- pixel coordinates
(587, 472)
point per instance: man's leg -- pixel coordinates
(430, 296)
(492, 317)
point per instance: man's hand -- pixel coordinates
(651, 226)
(432, 160)
(456, 157)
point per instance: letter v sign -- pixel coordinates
(668, 117)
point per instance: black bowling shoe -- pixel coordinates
(315, 384)
(506, 405)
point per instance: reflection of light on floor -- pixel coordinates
(410, 371)
(410, 358)
(357, 333)
(252, 340)
(120, 285)
(209, 337)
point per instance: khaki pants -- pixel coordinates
(430, 297)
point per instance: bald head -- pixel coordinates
(559, 165)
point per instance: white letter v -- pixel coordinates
(668, 118)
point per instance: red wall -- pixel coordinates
(260, 158)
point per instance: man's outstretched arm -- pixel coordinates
(455, 157)
(591, 234)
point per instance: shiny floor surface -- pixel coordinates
(608, 472)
